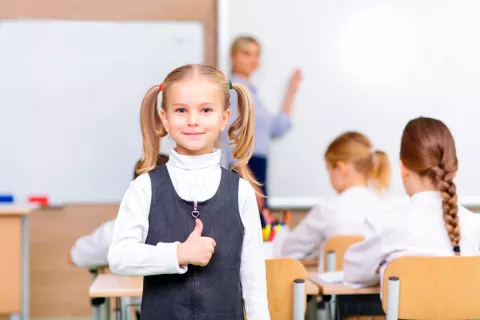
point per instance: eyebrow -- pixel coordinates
(186, 105)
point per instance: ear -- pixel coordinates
(163, 117)
(404, 173)
(225, 118)
(342, 167)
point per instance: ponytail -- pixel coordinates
(355, 148)
(381, 169)
(152, 131)
(241, 133)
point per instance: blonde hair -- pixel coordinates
(355, 148)
(428, 149)
(240, 42)
(240, 132)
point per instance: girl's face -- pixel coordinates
(337, 176)
(246, 60)
(195, 115)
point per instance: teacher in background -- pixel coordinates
(245, 59)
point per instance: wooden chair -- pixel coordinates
(334, 250)
(432, 288)
(281, 274)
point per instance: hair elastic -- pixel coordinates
(160, 86)
(456, 249)
(230, 86)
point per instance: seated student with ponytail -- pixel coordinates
(431, 223)
(356, 170)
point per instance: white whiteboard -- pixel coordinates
(70, 96)
(369, 66)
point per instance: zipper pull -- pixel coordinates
(195, 212)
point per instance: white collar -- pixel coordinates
(426, 196)
(195, 162)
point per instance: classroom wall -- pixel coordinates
(58, 289)
(368, 66)
(204, 10)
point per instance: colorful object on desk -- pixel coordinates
(40, 200)
(270, 230)
(267, 216)
(286, 217)
(6, 198)
(272, 234)
(272, 226)
(266, 232)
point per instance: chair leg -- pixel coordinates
(96, 307)
(328, 309)
(106, 309)
(393, 298)
(298, 299)
(118, 309)
(312, 308)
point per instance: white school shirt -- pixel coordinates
(343, 214)
(195, 178)
(91, 251)
(414, 228)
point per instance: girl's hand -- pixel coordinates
(196, 250)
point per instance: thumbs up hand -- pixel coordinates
(196, 250)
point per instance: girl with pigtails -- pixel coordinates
(190, 227)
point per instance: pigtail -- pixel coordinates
(241, 133)
(152, 131)
(381, 170)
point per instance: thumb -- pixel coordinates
(198, 227)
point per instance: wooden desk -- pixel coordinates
(14, 260)
(113, 286)
(339, 289)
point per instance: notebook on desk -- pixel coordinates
(331, 277)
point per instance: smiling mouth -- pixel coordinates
(193, 133)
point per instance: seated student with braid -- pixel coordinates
(430, 224)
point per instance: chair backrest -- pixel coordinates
(339, 245)
(280, 276)
(435, 287)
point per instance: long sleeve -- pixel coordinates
(252, 271)
(362, 260)
(128, 254)
(306, 237)
(280, 124)
(90, 251)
